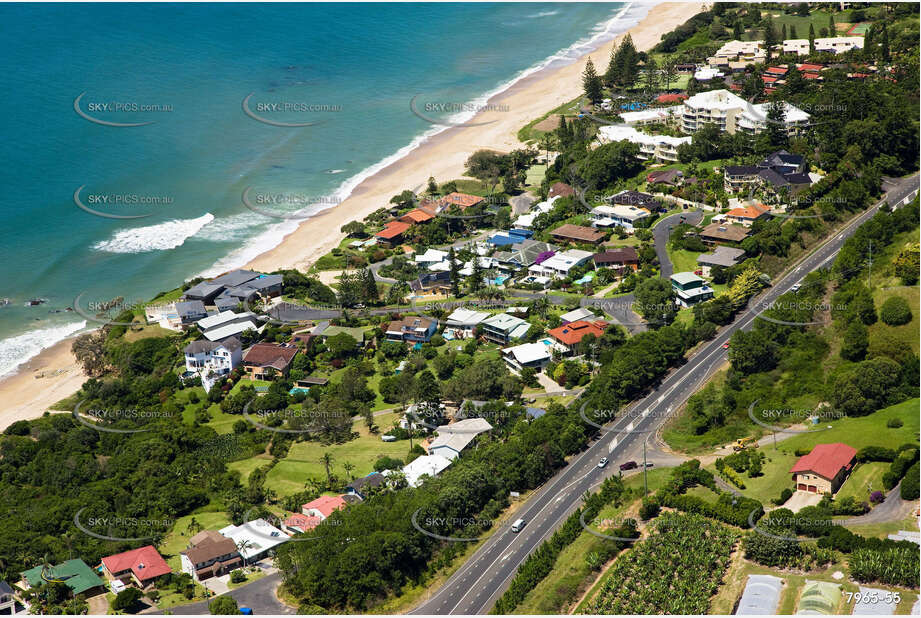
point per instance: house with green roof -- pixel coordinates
(78, 576)
(358, 334)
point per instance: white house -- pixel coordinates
(165, 316)
(212, 360)
(485, 263)
(255, 539)
(618, 215)
(465, 319)
(560, 264)
(431, 256)
(731, 113)
(533, 355)
(582, 313)
(227, 324)
(454, 438)
(658, 147)
(656, 115)
(426, 465)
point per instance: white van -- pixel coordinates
(518, 525)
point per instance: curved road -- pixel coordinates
(475, 586)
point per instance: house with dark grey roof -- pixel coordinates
(7, 599)
(190, 311)
(432, 282)
(230, 289)
(721, 256)
(365, 485)
(719, 233)
(635, 198)
(739, 177)
(784, 162)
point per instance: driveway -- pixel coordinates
(893, 508)
(661, 232)
(259, 596)
(800, 500)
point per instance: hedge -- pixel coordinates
(910, 484)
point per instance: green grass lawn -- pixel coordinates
(178, 537)
(864, 480)
(304, 458)
(246, 466)
(905, 332)
(856, 432)
(535, 175)
(683, 260)
(818, 19)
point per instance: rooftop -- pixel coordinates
(825, 460)
(572, 333)
(145, 562)
(578, 232)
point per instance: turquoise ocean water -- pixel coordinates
(351, 69)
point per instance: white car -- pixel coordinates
(795, 287)
(603, 462)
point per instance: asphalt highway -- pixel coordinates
(474, 588)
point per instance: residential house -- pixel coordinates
(619, 259)
(262, 357)
(635, 198)
(75, 573)
(561, 264)
(7, 599)
(363, 486)
(454, 438)
(209, 554)
(577, 233)
(211, 360)
(228, 324)
(503, 328)
(721, 256)
(582, 313)
(560, 189)
(423, 467)
(411, 329)
(824, 469)
(263, 286)
(417, 215)
(670, 178)
(690, 289)
(783, 162)
(754, 118)
(618, 215)
(142, 565)
(747, 215)
(432, 283)
(323, 507)
(430, 257)
(662, 148)
(392, 234)
(720, 232)
(524, 254)
(465, 319)
(653, 115)
(299, 523)
(512, 236)
(739, 177)
(462, 201)
(256, 539)
(569, 335)
(533, 355)
(190, 312)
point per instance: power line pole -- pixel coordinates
(645, 482)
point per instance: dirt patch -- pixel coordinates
(550, 123)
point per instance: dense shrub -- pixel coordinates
(895, 311)
(910, 484)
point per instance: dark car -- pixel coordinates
(630, 465)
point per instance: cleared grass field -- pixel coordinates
(864, 480)
(178, 537)
(304, 459)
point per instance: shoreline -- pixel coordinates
(441, 155)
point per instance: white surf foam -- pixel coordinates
(626, 17)
(159, 237)
(16, 350)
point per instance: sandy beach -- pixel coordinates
(26, 395)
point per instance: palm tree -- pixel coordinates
(194, 527)
(243, 545)
(348, 467)
(313, 484)
(327, 461)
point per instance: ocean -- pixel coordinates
(294, 103)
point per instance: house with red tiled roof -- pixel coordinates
(417, 215)
(824, 469)
(776, 70)
(143, 565)
(569, 335)
(299, 523)
(392, 234)
(746, 215)
(323, 507)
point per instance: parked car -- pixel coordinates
(518, 525)
(795, 287)
(603, 462)
(630, 465)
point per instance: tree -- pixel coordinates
(670, 70)
(327, 461)
(341, 345)
(369, 291)
(591, 83)
(811, 39)
(475, 280)
(655, 301)
(455, 273)
(224, 605)
(737, 30)
(770, 38)
(89, 350)
(353, 228)
(752, 352)
(783, 32)
(609, 163)
(651, 74)
(855, 341)
(127, 600)
(432, 186)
